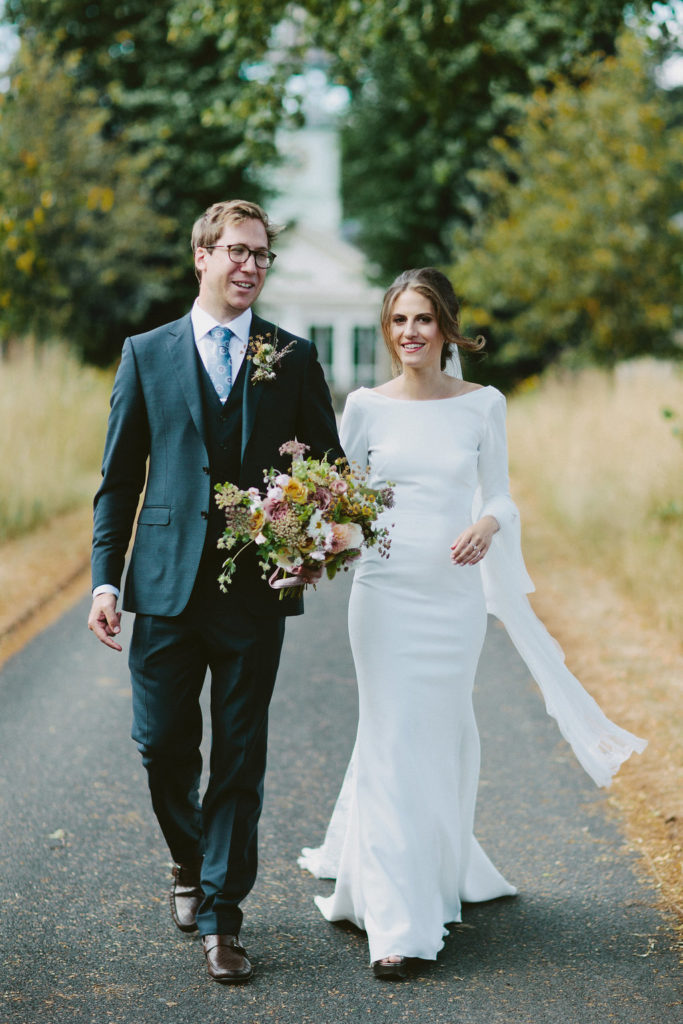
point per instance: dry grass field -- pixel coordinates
(606, 470)
(52, 424)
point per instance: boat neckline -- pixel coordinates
(425, 401)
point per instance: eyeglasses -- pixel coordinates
(263, 258)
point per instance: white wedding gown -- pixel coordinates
(400, 842)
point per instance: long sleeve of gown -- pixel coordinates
(599, 745)
(353, 432)
(494, 481)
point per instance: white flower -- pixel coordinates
(317, 528)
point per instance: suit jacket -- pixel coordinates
(156, 432)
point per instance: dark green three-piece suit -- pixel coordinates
(167, 421)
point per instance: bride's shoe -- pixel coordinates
(390, 969)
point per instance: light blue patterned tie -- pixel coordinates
(218, 362)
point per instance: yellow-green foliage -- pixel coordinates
(579, 246)
(596, 453)
(76, 223)
(53, 414)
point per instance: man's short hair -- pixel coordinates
(208, 228)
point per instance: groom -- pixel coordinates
(187, 412)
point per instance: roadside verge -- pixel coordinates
(634, 669)
(41, 575)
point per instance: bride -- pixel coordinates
(400, 843)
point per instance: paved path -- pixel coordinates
(85, 933)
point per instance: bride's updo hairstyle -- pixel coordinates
(436, 287)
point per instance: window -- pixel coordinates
(364, 345)
(322, 337)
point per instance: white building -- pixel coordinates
(318, 286)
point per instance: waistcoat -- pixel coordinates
(223, 426)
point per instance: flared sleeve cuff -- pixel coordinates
(503, 571)
(599, 745)
(503, 510)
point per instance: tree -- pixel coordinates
(63, 187)
(578, 247)
(174, 93)
(432, 81)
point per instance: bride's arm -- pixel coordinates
(353, 432)
(498, 511)
(494, 478)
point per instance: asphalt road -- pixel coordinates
(85, 932)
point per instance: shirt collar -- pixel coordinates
(203, 322)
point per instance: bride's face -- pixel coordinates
(415, 334)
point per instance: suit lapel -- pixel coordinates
(251, 396)
(183, 356)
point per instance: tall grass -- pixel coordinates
(595, 453)
(53, 416)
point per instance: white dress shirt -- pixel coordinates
(202, 323)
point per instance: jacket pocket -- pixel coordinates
(154, 515)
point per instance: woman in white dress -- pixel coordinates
(400, 842)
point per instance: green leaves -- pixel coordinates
(158, 116)
(124, 121)
(431, 84)
(577, 249)
(62, 186)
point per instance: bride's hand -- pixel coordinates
(473, 543)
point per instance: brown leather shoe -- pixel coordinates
(226, 960)
(186, 895)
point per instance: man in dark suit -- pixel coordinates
(187, 413)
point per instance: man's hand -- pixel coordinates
(104, 620)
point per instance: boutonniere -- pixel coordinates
(265, 356)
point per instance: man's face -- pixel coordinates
(226, 288)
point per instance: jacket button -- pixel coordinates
(204, 515)
(205, 469)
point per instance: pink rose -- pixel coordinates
(272, 507)
(323, 498)
(338, 486)
(344, 536)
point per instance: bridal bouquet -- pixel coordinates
(318, 514)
